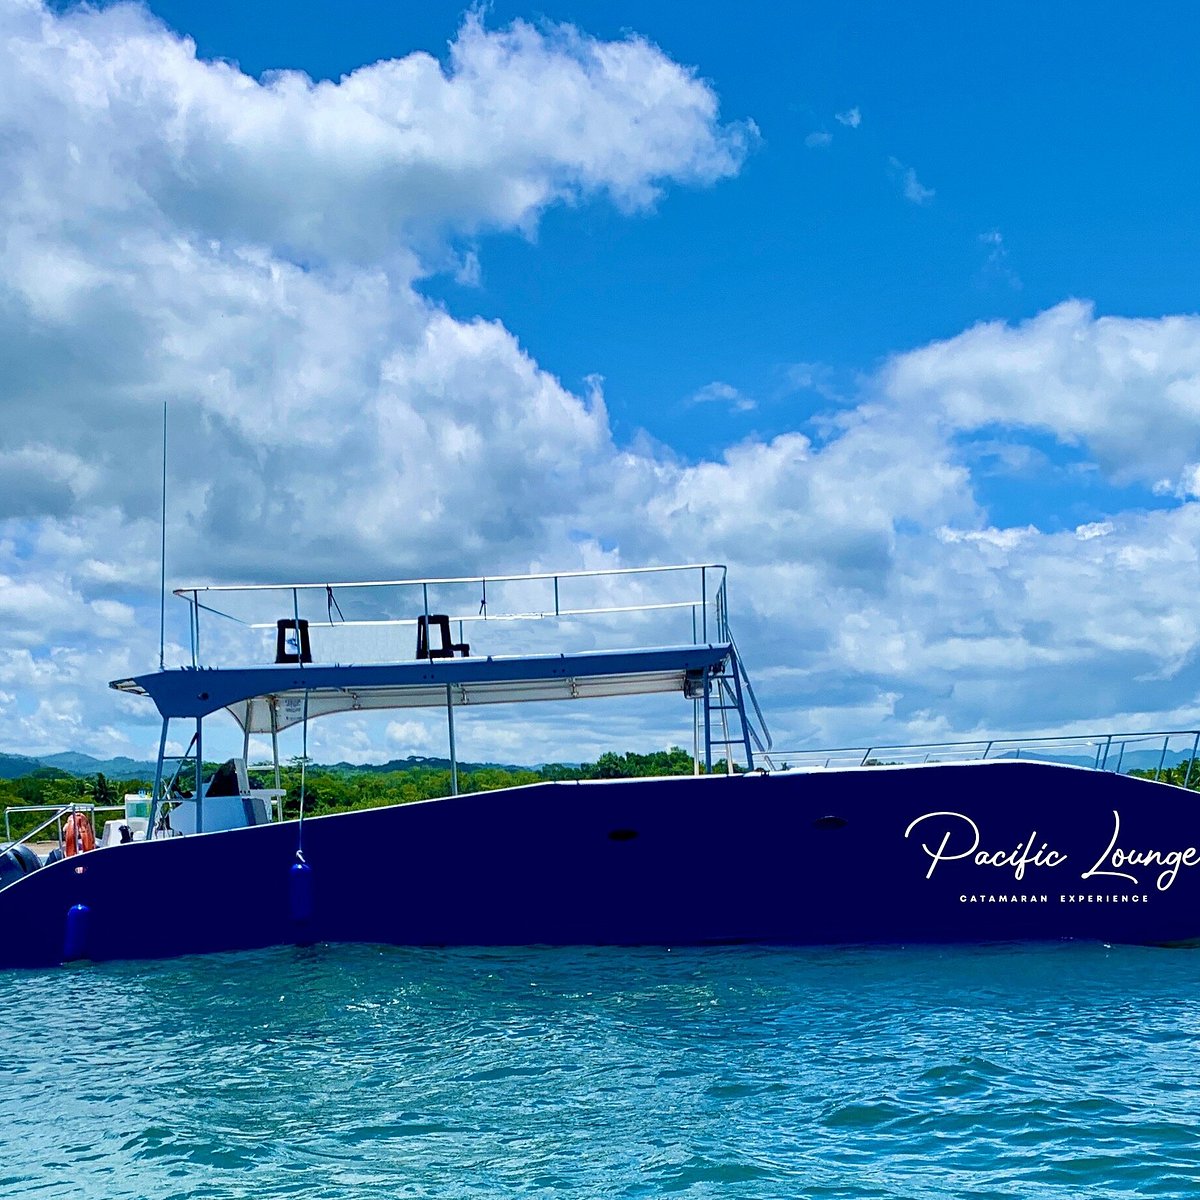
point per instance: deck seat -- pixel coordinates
(448, 648)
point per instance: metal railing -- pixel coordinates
(57, 814)
(337, 609)
(1114, 752)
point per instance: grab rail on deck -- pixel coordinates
(1107, 751)
(57, 812)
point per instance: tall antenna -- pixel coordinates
(162, 586)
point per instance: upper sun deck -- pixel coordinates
(269, 653)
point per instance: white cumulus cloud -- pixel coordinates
(1127, 390)
(912, 188)
(723, 393)
(247, 251)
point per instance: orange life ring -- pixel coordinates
(78, 834)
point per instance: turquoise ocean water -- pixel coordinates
(331, 1072)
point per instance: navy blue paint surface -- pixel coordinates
(664, 861)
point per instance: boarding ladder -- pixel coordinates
(724, 704)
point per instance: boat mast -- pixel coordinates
(162, 586)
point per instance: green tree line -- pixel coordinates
(327, 791)
(330, 790)
(1184, 774)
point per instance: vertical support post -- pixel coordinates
(1120, 758)
(303, 782)
(199, 773)
(296, 628)
(695, 737)
(707, 725)
(246, 735)
(1192, 761)
(1107, 748)
(556, 611)
(1161, 758)
(428, 639)
(704, 606)
(453, 753)
(274, 702)
(156, 795)
(987, 749)
(726, 741)
(194, 629)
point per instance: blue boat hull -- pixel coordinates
(950, 853)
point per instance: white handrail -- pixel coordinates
(372, 583)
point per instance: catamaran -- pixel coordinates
(993, 840)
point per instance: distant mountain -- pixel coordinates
(13, 766)
(415, 760)
(1131, 760)
(84, 764)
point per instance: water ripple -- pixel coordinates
(341, 1072)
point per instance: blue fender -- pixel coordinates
(75, 937)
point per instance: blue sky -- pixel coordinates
(891, 307)
(1055, 141)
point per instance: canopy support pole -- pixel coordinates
(707, 724)
(275, 739)
(453, 754)
(303, 782)
(199, 774)
(156, 795)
